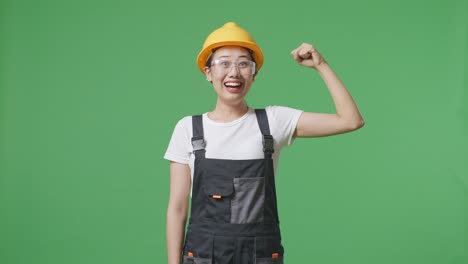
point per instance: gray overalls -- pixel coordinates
(234, 216)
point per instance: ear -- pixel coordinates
(208, 74)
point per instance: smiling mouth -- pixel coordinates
(233, 87)
(233, 84)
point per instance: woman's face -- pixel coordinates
(232, 72)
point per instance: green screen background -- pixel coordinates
(91, 91)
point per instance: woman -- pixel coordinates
(226, 159)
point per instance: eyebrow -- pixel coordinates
(226, 56)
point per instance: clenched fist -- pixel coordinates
(307, 55)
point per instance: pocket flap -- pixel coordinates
(219, 188)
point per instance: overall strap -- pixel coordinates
(198, 141)
(265, 129)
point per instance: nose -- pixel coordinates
(234, 70)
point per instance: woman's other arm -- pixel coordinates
(177, 210)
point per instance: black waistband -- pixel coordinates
(226, 229)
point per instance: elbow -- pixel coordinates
(176, 216)
(177, 211)
(361, 123)
(356, 124)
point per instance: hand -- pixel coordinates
(307, 55)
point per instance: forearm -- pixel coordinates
(175, 227)
(345, 106)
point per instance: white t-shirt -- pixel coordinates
(236, 140)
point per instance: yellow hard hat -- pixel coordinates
(229, 35)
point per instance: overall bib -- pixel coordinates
(234, 216)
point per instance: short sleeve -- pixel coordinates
(283, 121)
(179, 148)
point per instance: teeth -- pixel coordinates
(232, 84)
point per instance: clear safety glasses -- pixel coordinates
(224, 66)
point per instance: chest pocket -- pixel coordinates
(248, 203)
(237, 201)
(217, 200)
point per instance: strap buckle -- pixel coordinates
(198, 143)
(268, 144)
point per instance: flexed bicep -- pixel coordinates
(322, 124)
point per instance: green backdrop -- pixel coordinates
(91, 91)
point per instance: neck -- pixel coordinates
(228, 113)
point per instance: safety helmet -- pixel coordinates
(229, 35)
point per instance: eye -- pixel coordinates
(243, 64)
(225, 63)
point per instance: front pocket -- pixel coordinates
(269, 261)
(249, 200)
(268, 249)
(218, 194)
(193, 260)
(198, 248)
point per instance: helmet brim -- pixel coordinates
(206, 52)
